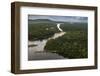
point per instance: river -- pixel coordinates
(37, 51)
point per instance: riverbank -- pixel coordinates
(38, 51)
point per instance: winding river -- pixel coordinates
(38, 53)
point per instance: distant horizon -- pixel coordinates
(59, 18)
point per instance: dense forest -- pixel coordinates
(73, 44)
(41, 30)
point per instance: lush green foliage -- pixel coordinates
(39, 31)
(74, 26)
(71, 45)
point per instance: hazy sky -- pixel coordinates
(59, 18)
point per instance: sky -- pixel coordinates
(59, 18)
